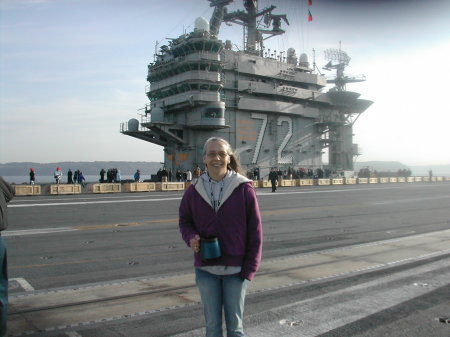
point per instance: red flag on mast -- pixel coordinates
(309, 16)
(309, 2)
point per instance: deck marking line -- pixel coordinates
(23, 283)
(93, 202)
(38, 231)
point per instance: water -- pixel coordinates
(49, 179)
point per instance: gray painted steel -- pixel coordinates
(272, 109)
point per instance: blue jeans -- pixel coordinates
(217, 291)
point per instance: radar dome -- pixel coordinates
(133, 124)
(304, 60)
(157, 115)
(201, 24)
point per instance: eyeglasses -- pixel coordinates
(221, 154)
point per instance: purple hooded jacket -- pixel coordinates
(237, 224)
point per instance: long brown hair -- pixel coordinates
(234, 164)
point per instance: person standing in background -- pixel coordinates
(32, 176)
(164, 175)
(188, 175)
(137, 176)
(75, 176)
(70, 177)
(273, 176)
(81, 178)
(6, 194)
(102, 175)
(58, 175)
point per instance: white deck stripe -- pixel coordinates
(23, 283)
(92, 202)
(37, 231)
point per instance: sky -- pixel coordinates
(72, 71)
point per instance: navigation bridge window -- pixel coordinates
(213, 113)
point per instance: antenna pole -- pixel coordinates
(156, 50)
(314, 60)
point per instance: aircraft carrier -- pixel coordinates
(271, 106)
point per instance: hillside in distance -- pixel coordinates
(88, 168)
(128, 168)
(394, 166)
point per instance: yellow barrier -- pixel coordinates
(139, 187)
(323, 182)
(65, 189)
(337, 181)
(305, 182)
(170, 186)
(264, 183)
(105, 188)
(22, 190)
(255, 183)
(28, 190)
(350, 181)
(287, 182)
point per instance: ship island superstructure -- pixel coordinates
(272, 108)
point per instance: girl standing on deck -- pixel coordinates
(221, 208)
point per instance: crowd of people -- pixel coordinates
(113, 175)
(367, 173)
(76, 177)
(165, 175)
(290, 173)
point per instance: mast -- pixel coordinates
(252, 33)
(248, 19)
(217, 16)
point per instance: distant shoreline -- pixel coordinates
(89, 169)
(20, 180)
(18, 171)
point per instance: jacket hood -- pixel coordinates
(236, 179)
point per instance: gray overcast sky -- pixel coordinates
(71, 71)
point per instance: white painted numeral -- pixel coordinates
(282, 119)
(260, 136)
(287, 159)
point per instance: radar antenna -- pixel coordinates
(248, 19)
(339, 59)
